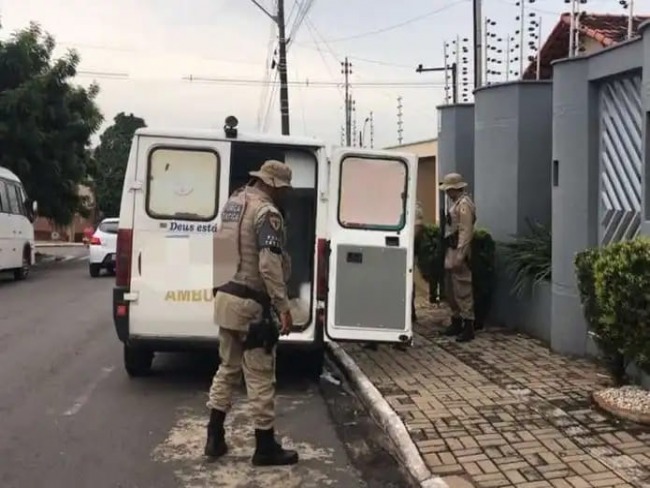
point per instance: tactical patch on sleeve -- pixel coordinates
(270, 233)
(232, 211)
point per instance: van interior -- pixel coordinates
(299, 213)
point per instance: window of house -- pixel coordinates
(183, 184)
(372, 193)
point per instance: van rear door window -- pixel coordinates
(183, 184)
(372, 193)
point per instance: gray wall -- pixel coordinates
(456, 141)
(576, 196)
(512, 153)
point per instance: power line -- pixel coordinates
(401, 24)
(308, 83)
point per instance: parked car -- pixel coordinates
(17, 214)
(102, 247)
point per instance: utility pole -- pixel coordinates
(478, 48)
(539, 49)
(282, 64)
(282, 68)
(347, 71)
(354, 123)
(522, 38)
(400, 128)
(454, 78)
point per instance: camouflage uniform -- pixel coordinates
(419, 223)
(458, 275)
(253, 220)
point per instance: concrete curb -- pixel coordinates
(389, 420)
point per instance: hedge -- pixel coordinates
(482, 265)
(614, 287)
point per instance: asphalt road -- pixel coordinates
(70, 416)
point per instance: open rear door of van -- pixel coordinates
(371, 219)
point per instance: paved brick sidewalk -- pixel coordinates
(503, 411)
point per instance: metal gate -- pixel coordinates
(620, 159)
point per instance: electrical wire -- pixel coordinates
(401, 24)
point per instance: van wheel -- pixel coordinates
(137, 361)
(94, 270)
(23, 272)
(313, 362)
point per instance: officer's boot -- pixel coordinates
(268, 452)
(455, 328)
(467, 334)
(215, 446)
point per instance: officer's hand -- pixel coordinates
(286, 322)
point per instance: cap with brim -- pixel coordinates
(452, 181)
(274, 173)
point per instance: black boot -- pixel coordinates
(215, 446)
(268, 452)
(455, 328)
(467, 334)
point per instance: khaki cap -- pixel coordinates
(452, 181)
(274, 173)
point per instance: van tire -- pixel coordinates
(314, 361)
(137, 361)
(23, 272)
(94, 270)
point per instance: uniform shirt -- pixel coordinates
(461, 219)
(264, 265)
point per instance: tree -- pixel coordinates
(46, 122)
(111, 157)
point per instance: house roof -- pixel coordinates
(606, 29)
(415, 143)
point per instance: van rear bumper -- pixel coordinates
(121, 314)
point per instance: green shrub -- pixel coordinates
(614, 286)
(529, 257)
(482, 265)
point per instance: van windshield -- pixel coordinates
(109, 227)
(372, 193)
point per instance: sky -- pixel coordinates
(143, 52)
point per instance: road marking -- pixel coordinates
(83, 399)
(184, 448)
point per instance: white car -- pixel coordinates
(102, 247)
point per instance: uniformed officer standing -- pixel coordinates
(459, 232)
(252, 219)
(419, 228)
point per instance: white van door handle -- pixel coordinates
(140, 263)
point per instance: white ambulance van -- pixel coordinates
(16, 226)
(350, 223)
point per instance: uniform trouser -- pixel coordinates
(259, 372)
(458, 288)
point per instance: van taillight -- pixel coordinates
(321, 273)
(123, 257)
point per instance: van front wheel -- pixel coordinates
(137, 361)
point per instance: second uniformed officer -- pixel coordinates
(459, 232)
(247, 337)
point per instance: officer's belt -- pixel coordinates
(242, 291)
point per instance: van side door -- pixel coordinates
(371, 219)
